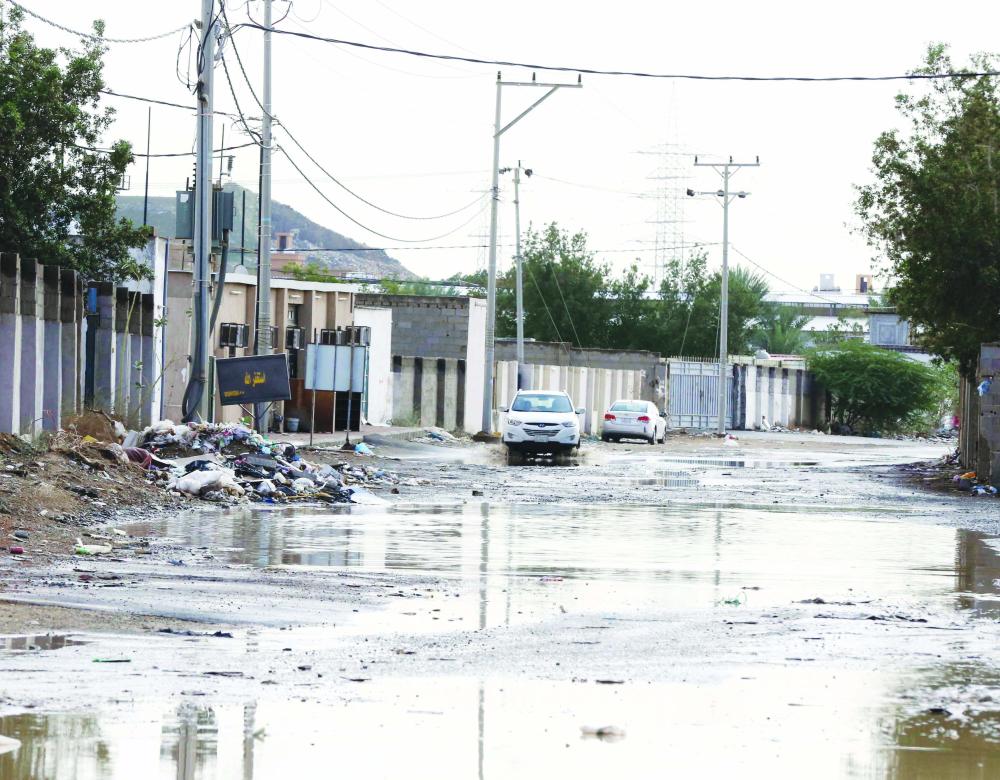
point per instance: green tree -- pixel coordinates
(311, 271)
(932, 208)
(57, 198)
(874, 389)
(564, 289)
(779, 331)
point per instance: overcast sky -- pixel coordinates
(415, 136)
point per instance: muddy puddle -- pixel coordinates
(766, 725)
(675, 557)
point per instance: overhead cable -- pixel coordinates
(97, 150)
(784, 281)
(313, 160)
(602, 72)
(98, 38)
(156, 102)
(361, 225)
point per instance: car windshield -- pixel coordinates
(541, 403)
(629, 406)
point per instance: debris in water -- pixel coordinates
(605, 733)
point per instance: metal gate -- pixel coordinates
(693, 390)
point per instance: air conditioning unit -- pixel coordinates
(234, 334)
(328, 336)
(294, 338)
(358, 334)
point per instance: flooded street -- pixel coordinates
(787, 608)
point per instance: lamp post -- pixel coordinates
(726, 170)
(518, 264)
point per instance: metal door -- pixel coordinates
(693, 393)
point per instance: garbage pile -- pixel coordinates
(229, 462)
(968, 481)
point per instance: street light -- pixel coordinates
(518, 266)
(723, 169)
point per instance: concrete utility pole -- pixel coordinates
(198, 385)
(725, 170)
(263, 345)
(491, 287)
(519, 270)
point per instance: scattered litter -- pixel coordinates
(610, 682)
(22, 535)
(15, 550)
(478, 493)
(91, 549)
(112, 660)
(984, 386)
(230, 463)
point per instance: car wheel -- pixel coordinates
(515, 457)
(652, 439)
(605, 437)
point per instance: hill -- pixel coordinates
(310, 238)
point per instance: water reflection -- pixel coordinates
(684, 555)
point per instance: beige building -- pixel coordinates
(300, 311)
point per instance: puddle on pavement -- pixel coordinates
(781, 722)
(676, 556)
(740, 463)
(42, 642)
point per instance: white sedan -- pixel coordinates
(630, 419)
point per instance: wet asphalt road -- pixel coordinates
(785, 607)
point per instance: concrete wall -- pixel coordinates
(429, 326)
(429, 391)
(380, 385)
(42, 337)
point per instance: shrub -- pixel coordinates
(874, 389)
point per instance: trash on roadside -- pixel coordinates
(8, 744)
(15, 550)
(984, 490)
(91, 549)
(984, 386)
(22, 535)
(230, 462)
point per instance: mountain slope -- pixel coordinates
(313, 240)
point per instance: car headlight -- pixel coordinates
(513, 422)
(569, 424)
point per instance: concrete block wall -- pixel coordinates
(41, 317)
(430, 392)
(426, 326)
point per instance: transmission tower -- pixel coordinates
(671, 174)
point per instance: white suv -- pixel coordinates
(541, 421)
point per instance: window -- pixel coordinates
(629, 406)
(293, 313)
(542, 403)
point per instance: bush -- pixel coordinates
(877, 390)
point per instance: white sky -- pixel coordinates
(415, 135)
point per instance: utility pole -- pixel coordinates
(196, 399)
(519, 270)
(263, 341)
(491, 286)
(145, 196)
(726, 170)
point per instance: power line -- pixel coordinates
(316, 162)
(155, 102)
(568, 315)
(783, 281)
(163, 154)
(361, 225)
(632, 73)
(98, 38)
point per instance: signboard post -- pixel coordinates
(253, 379)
